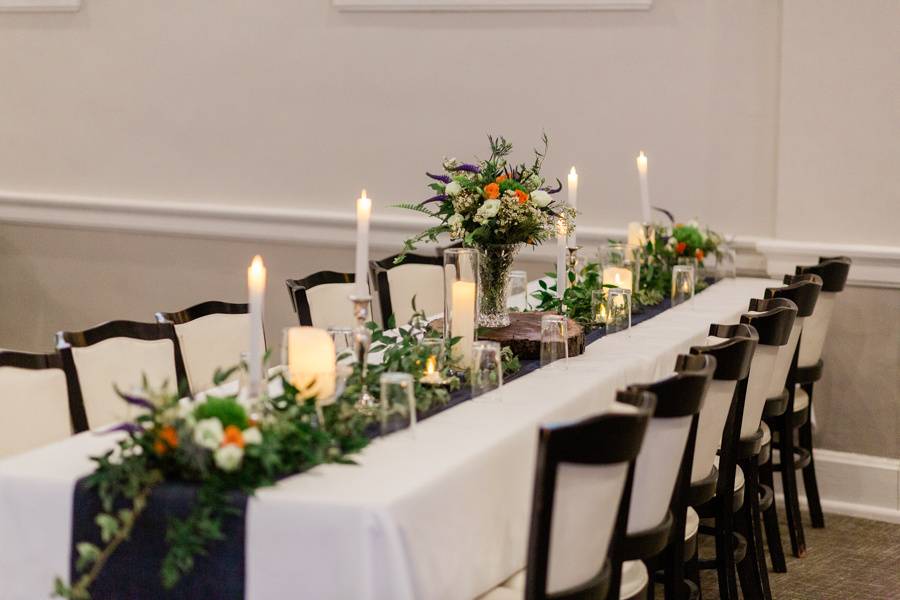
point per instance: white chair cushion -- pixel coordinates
(766, 433)
(801, 399)
(121, 362)
(35, 406)
(692, 524)
(738, 475)
(329, 305)
(212, 342)
(634, 579)
(815, 330)
(425, 282)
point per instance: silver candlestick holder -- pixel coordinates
(362, 340)
(572, 259)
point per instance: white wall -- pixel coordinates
(839, 135)
(292, 103)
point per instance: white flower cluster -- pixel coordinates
(209, 434)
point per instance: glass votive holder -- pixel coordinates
(618, 266)
(682, 284)
(691, 261)
(598, 307)
(618, 310)
(343, 342)
(397, 397)
(554, 338)
(432, 355)
(487, 367)
(518, 290)
(726, 263)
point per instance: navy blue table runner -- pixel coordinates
(132, 572)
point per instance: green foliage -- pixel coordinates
(226, 410)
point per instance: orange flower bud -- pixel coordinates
(501, 179)
(491, 191)
(680, 247)
(233, 435)
(699, 254)
(523, 197)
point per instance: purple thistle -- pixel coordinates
(438, 198)
(130, 428)
(467, 167)
(552, 191)
(136, 401)
(441, 178)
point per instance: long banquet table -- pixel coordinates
(440, 514)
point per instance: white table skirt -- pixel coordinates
(442, 514)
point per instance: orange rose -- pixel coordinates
(680, 247)
(491, 191)
(501, 179)
(523, 197)
(233, 436)
(160, 447)
(699, 254)
(166, 440)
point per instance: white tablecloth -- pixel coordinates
(442, 514)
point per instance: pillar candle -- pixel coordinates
(256, 288)
(363, 212)
(645, 193)
(311, 363)
(617, 276)
(573, 200)
(562, 279)
(462, 319)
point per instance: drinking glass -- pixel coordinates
(487, 367)
(518, 290)
(343, 343)
(598, 307)
(726, 263)
(618, 310)
(554, 338)
(682, 284)
(398, 396)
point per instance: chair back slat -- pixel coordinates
(668, 440)
(417, 276)
(583, 469)
(120, 354)
(773, 320)
(322, 299)
(834, 274)
(212, 335)
(34, 397)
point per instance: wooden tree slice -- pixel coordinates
(523, 334)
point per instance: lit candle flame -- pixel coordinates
(430, 365)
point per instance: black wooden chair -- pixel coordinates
(834, 272)
(772, 320)
(720, 494)
(658, 516)
(782, 414)
(212, 335)
(323, 299)
(118, 354)
(38, 401)
(601, 450)
(417, 276)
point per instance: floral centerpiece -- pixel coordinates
(689, 240)
(496, 207)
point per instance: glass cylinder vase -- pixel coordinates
(494, 264)
(460, 302)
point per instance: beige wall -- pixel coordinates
(292, 103)
(839, 134)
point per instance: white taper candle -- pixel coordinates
(645, 193)
(363, 213)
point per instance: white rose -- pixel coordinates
(541, 198)
(208, 433)
(228, 458)
(452, 188)
(252, 436)
(489, 209)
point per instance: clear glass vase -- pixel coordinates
(494, 264)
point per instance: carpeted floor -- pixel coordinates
(851, 559)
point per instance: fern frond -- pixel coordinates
(415, 207)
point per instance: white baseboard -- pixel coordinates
(856, 485)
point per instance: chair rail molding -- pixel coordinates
(489, 5)
(39, 5)
(872, 265)
(877, 266)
